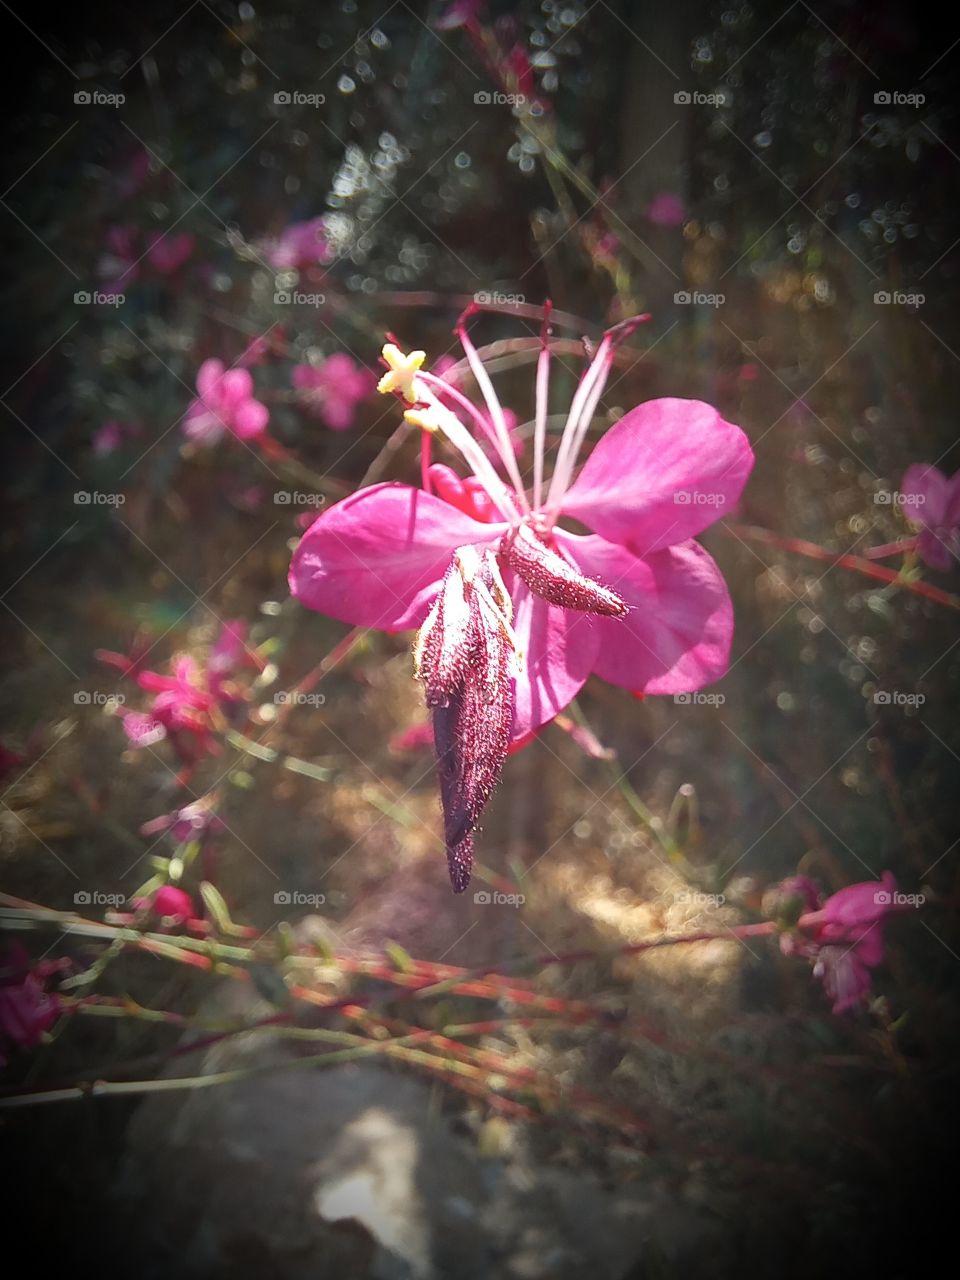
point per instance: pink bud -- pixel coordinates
(550, 577)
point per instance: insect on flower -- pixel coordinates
(515, 611)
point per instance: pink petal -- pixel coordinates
(337, 412)
(951, 515)
(200, 425)
(376, 559)
(560, 648)
(665, 471)
(250, 419)
(208, 380)
(925, 491)
(236, 386)
(305, 377)
(934, 550)
(677, 634)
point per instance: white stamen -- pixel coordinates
(495, 410)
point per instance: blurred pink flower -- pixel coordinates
(931, 502)
(171, 902)
(10, 760)
(331, 391)
(166, 253)
(119, 264)
(301, 244)
(26, 1010)
(111, 436)
(462, 13)
(844, 937)
(225, 403)
(192, 822)
(666, 210)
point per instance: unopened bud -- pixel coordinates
(549, 576)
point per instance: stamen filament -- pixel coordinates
(495, 409)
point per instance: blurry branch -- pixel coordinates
(798, 546)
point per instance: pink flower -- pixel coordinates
(119, 264)
(301, 244)
(183, 709)
(515, 610)
(192, 822)
(167, 253)
(844, 938)
(109, 437)
(170, 902)
(225, 403)
(932, 503)
(26, 1010)
(666, 210)
(330, 391)
(462, 13)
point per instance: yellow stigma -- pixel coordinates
(425, 419)
(402, 372)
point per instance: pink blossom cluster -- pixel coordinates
(192, 703)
